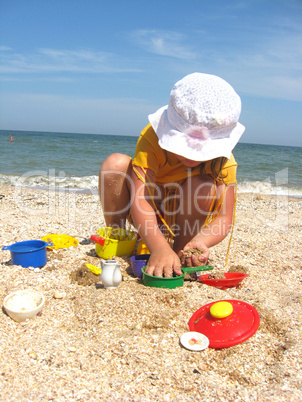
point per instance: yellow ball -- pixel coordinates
(221, 309)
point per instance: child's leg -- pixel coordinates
(197, 194)
(114, 189)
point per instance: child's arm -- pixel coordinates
(214, 233)
(163, 260)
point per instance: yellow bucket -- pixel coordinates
(116, 242)
(142, 248)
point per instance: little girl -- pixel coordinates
(179, 191)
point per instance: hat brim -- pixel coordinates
(172, 140)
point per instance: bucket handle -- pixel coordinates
(98, 239)
(190, 270)
(48, 244)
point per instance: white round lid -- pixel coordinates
(194, 341)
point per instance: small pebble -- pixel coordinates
(59, 295)
(32, 354)
(139, 326)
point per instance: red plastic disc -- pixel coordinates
(240, 325)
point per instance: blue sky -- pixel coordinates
(100, 67)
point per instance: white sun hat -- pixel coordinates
(200, 122)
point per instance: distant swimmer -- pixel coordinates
(11, 139)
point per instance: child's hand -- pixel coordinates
(164, 262)
(194, 254)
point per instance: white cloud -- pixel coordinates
(4, 48)
(266, 63)
(55, 60)
(263, 60)
(163, 43)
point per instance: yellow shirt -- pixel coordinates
(166, 166)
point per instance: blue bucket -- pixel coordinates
(30, 253)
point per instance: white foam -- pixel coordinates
(264, 187)
(50, 182)
(90, 183)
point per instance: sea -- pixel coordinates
(71, 161)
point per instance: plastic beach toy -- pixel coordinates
(138, 262)
(194, 341)
(111, 242)
(142, 248)
(29, 253)
(60, 241)
(174, 282)
(95, 270)
(111, 275)
(226, 323)
(232, 279)
(24, 304)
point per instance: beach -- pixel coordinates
(92, 343)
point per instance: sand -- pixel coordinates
(92, 343)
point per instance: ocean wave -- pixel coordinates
(37, 180)
(263, 187)
(90, 184)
